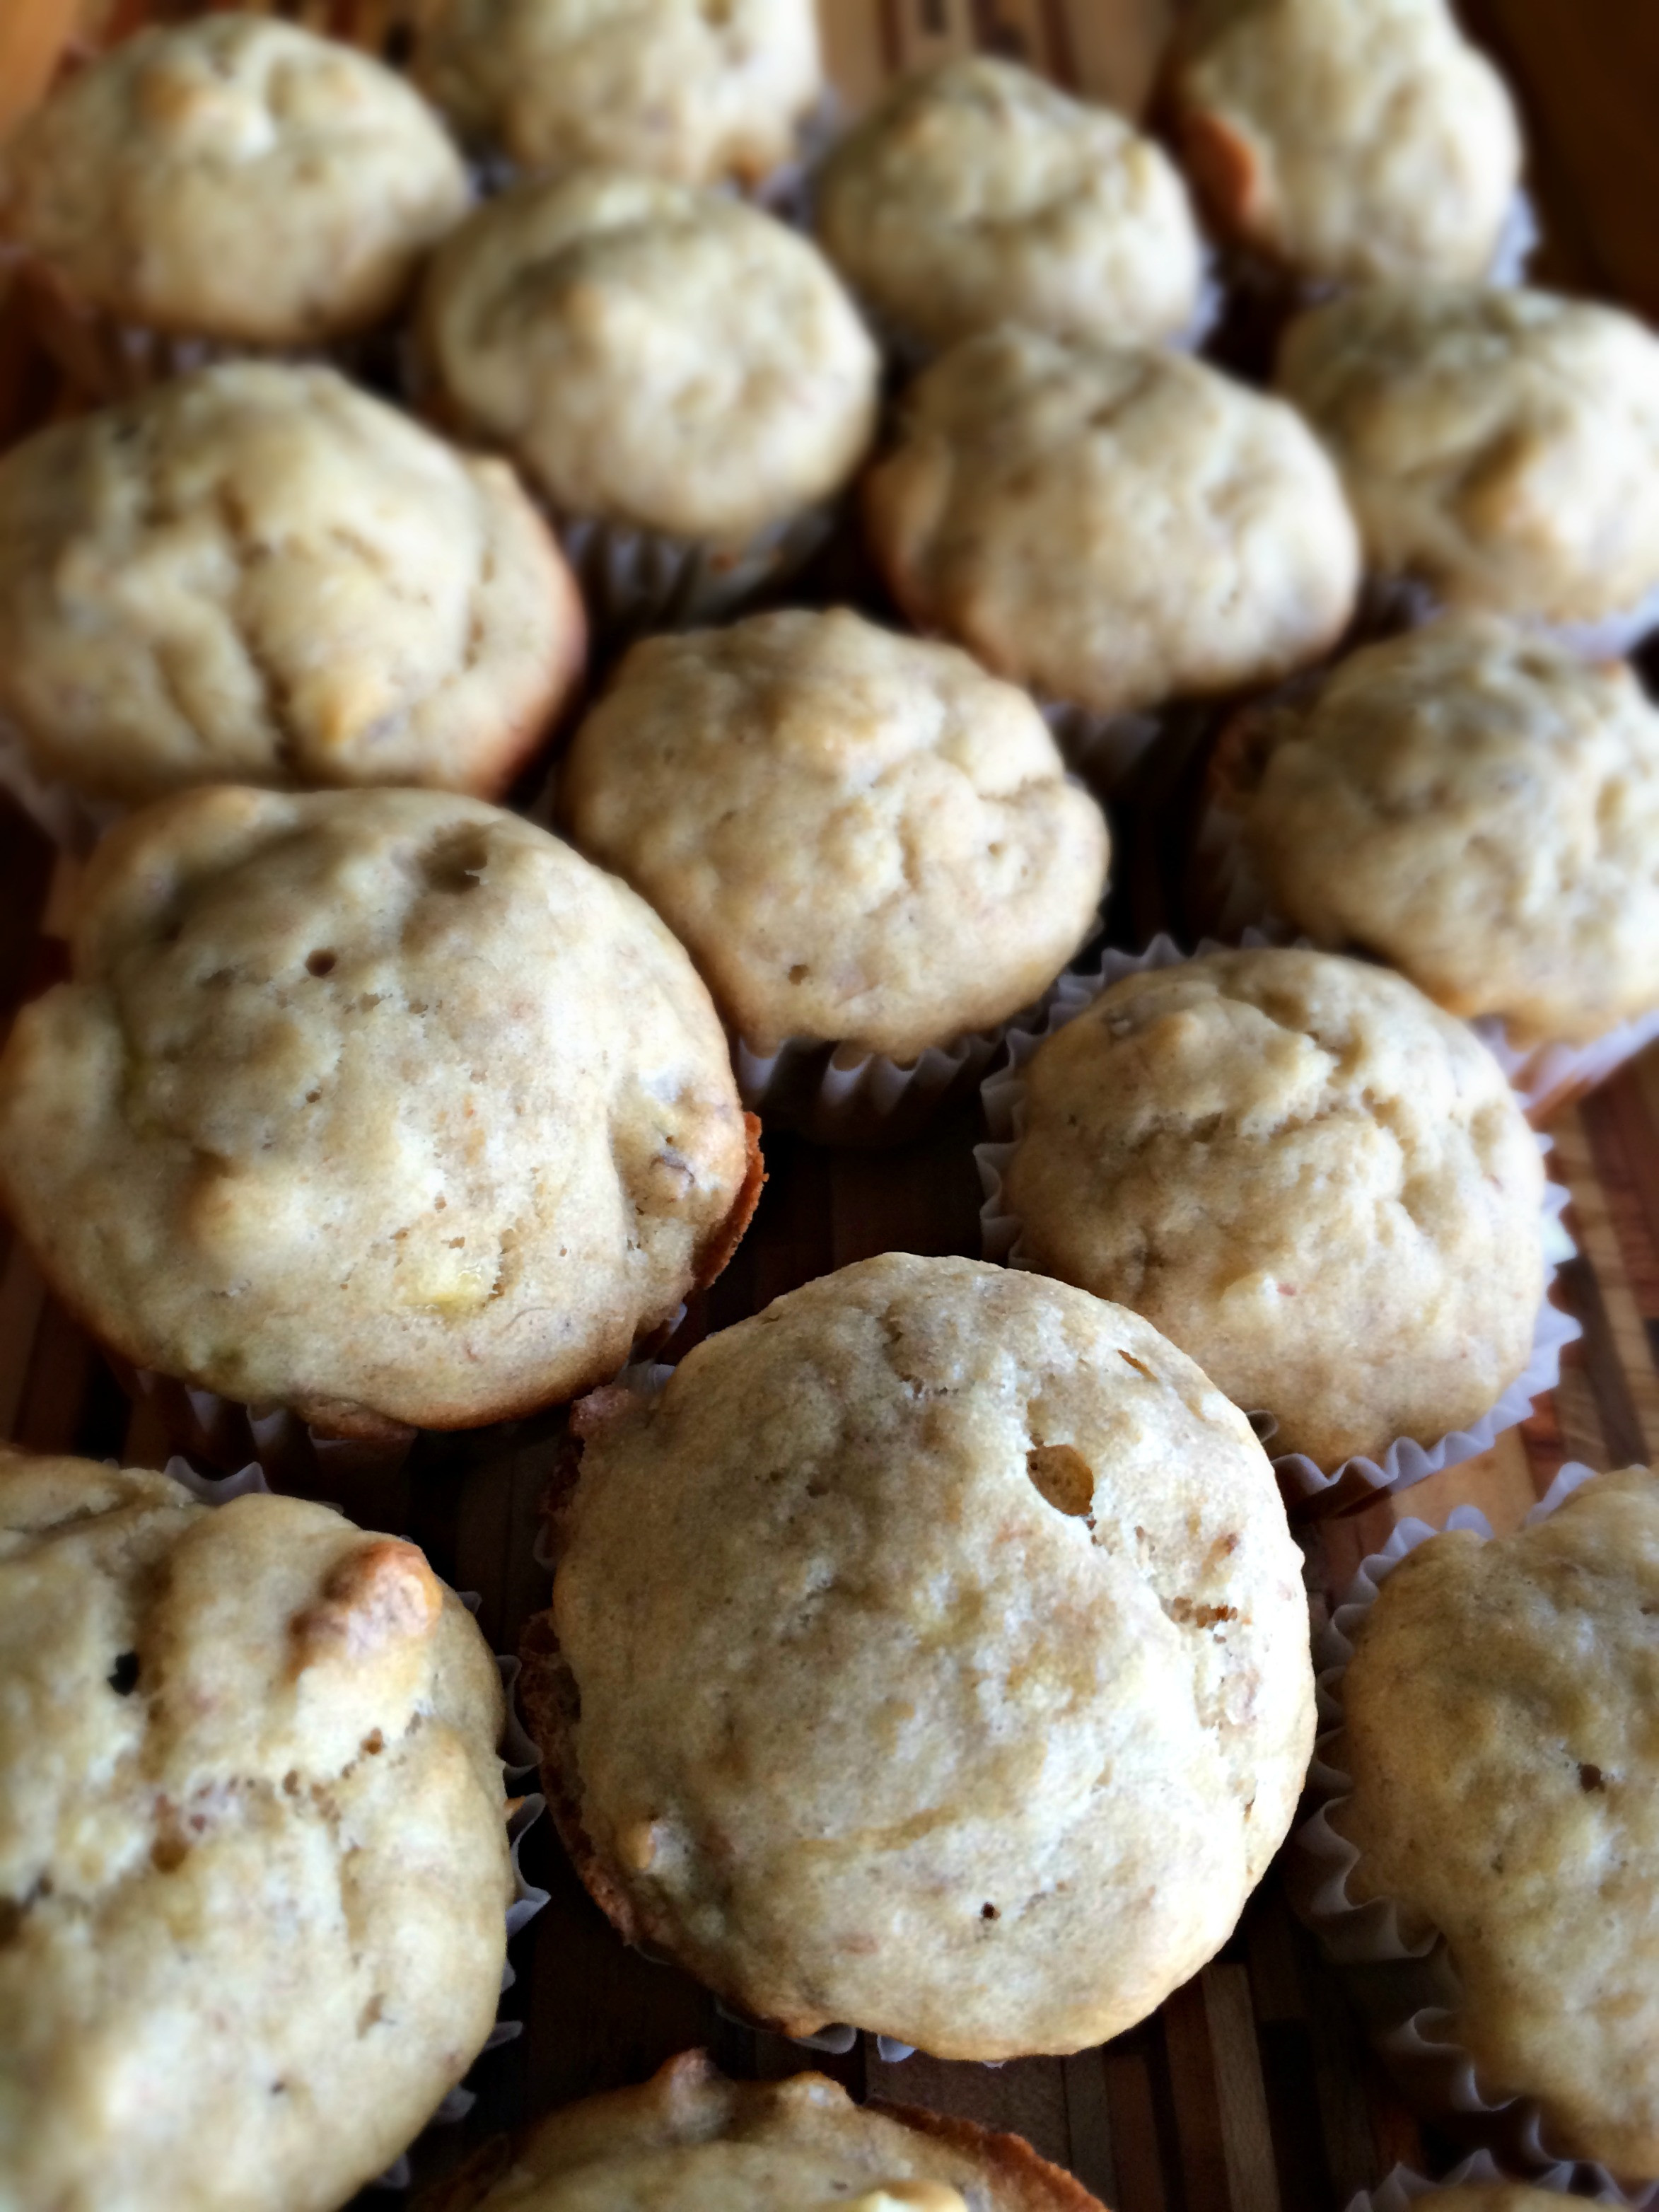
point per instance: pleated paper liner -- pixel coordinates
(1306, 1486)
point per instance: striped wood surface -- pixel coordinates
(1250, 2091)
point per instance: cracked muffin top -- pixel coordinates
(234, 178)
(653, 357)
(252, 1846)
(693, 89)
(260, 575)
(1351, 140)
(384, 1106)
(977, 194)
(1480, 809)
(1498, 1729)
(1113, 525)
(1501, 446)
(930, 1655)
(1308, 1176)
(690, 2139)
(857, 837)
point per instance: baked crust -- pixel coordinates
(248, 1749)
(367, 605)
(285, 1133)
(1075, 515)
(961, 1418)
(233, 178)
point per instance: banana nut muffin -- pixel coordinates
(1350, 140)
(1310, 1178)
(679, 88)
(1479, 808)
(930, 1654)
(656, 357)
(384, 1106)
(1500, 447)
(691, 2140)
(857, 837)
(1113, 525)
(253, 1846)
(1498, 1730)
(260, 575)
(234, 179)
(977, 194)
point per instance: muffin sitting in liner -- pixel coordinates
(976, 193)
(929, 1655)
(1480, 809)
(254, 1854)
(1497, 1729)
(1347, 140)
(1501, 448)
(1308, 1177)
(860, 838)
(689, 2140)
(1113, 525)
(385, 1107)
(259, 574)
(236, 179)
(658, 359)
(680, 88)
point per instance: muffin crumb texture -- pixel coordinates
(1306, 1176)
(856, 835)
(260, 575)
(1501, 447)
(1479, 808)
(252, 1844)
(234, 178)
(655, 358)
(930, 1655)
(690, 2139)
(383, 1106)
(1110, 525)
(1498, 1729)
(679, 88)
(976, 193)
(1351, 140)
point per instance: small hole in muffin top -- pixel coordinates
(1062, 1476)
(124, 1675)
(988, 1912)
(1590, 1778)
(799, 974)
(321, 962)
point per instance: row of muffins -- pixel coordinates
(892, 1342)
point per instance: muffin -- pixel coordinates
(675, 88)
(233, 179)
(931, 1654)
(1501, 447)
(976, 193)
(1113, 526)
(257, 573)
(1497, 1729)
(691, 2139)
(656, 358)
(860, 838)
(383, 1106)
(253, 1847)
(1480, 809)
(1306, 1176)
(1349, 140)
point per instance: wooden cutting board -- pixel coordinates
(1250, 2090)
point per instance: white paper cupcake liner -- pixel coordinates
(518, 1762)
(1104, 750)
(1305, 1483)
(635, 581)
(1411, 2017)
(1232, 903)
(1402, 2187)
(1390, 604)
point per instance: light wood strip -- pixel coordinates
(1198, 2107)
(928, 31)
(1089, 2123)
(1499, 1482)
(33, 36)
(1116, 47)
(1140, 2186)
(854, 55)
(1600, 1244)
(1247, 2137)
